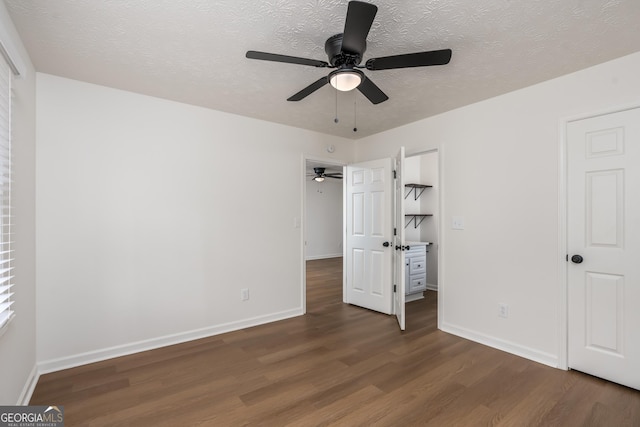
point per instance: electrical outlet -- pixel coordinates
(503, 310)
(244, 294)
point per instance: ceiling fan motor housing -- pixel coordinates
(338, 58)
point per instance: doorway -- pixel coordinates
(323, 219)
(429, 162)
(422, 195)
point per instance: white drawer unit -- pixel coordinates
(416, 268)
(417, 284)
(418, 265)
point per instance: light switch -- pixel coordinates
(457, 223)
(296, 222)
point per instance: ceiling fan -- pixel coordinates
(319, 175)
(345, 52)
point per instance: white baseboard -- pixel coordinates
(414, 297)
(432, 287)
(314, 257)
(29, 387)
(508, 346)
(73, 361)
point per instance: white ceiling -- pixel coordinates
(193, 51)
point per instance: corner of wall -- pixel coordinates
(29, 386)
(18, 346)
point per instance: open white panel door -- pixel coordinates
(399, 242)
(369, 228)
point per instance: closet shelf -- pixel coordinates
(414, 188)
(414, 218)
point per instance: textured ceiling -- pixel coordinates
(193, 51)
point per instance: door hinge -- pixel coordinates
(394, 175)
(395, 233)
(395, 288)
(567, 258)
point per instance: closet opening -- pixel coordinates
(421, 207)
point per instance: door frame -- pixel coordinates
(563, 227)
(303, 234)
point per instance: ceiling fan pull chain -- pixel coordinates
(355, 112)
(336, 119)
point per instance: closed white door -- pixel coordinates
(399, 242)
(369, 230)
(604, 246)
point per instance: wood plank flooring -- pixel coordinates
(337, 365)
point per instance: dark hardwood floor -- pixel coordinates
(337, 365)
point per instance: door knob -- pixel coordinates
(576, 259)
(385, 244)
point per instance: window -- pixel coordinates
(6, 250)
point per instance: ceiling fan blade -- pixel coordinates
(359, 19)
(309, 89)
(252, 54)
(334, 177)
(419, 59)
(371, 91)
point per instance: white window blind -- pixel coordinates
(6, 250)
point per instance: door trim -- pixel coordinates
(563, 221)
(303, 222)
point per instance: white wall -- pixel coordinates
(324, 219)
(18, 343)
(151, 218)
(500, 172)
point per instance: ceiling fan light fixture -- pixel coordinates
(346, 79)
(319, 178)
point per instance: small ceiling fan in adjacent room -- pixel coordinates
(319, 175)
(345, 52)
